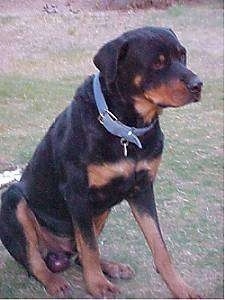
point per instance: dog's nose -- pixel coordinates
(195, 85)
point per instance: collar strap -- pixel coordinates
(111, 123)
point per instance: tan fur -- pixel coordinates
(95, 280)
(174, 93)
(54, 243)
(150, 165)
(146, 109)
(160, 254)
(89, 257)
(36, 263)
(100, 175)
(99, 222)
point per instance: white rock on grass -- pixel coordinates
(9, 176)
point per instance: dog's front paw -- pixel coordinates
(100, 287)
(184, 291)
(58, 287)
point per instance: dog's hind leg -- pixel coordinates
(11, 231)
(19, 236)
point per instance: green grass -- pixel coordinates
(27, 107)
(189, 186)
(176, 11)
(5, 20)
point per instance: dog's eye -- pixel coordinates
(159, 62)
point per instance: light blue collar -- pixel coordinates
(112, 124)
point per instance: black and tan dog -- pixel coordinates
(80, 169)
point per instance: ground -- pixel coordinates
(44, 57)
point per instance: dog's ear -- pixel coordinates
(109, 57)
(172, 32)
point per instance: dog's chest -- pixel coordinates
(113, 177)
(110, 183)
(101, 175)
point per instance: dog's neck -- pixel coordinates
(132, 110)
(146, 109)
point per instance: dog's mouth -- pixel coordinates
(170, 103)
(159, 103)
(172, 97)
(196, 96)
(164, 105)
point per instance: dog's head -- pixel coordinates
(150, 62)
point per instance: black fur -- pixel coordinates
(55, 181)
(11, 232)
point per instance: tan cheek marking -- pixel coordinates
(100, 175)
(174, 93)
(146, 109)
(160, 95)
(150, 166)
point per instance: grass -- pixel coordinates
(5, 20)
(34, 105)
(37, 84)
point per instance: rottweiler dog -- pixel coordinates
(83, 166)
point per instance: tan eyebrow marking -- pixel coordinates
(161, 58)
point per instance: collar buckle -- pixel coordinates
(111, 115)
(101, 116)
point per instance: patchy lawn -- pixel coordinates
(44, 57)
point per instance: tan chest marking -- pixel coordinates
(151, 166)
(146, 109)
(100, 175)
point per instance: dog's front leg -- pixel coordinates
(77, 198)
(144, 210)
(97, 284)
